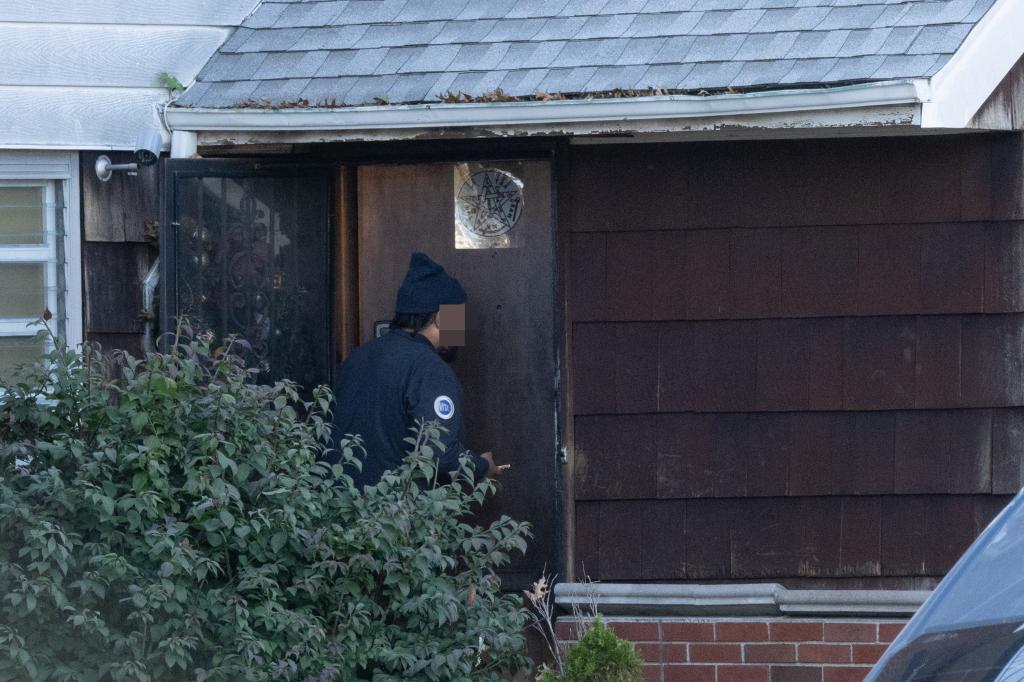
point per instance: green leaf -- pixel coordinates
(170, 83)
(175, 514)
(227, 463)
(107, 505)
(139, 419)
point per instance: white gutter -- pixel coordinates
(569, 111)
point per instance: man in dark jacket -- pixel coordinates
(385, 385)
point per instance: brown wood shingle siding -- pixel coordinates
(119, 225)
(794, 183)
(739, 273)
(838, 537)
(794, 359)
(865, 363)
(686, 455)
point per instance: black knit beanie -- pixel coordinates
(427, 287)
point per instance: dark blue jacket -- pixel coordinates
(383, 387)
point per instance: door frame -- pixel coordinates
(344, 158)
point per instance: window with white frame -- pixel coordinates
(35, 240)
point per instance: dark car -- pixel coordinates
(972, 626)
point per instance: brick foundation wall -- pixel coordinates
(752, 649)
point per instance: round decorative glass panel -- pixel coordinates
(489, 203)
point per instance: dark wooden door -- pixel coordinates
(508, 367)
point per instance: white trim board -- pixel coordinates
(74, 325)
(970, 77)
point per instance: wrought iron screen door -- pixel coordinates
(246, 250)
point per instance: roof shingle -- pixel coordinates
(352, 52)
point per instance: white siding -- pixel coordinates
(84, 74)
(146, 12)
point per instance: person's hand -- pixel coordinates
(494, 469)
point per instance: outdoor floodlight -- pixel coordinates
(147, 151)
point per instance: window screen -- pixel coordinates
(31, 267)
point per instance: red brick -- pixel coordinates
(673, 653)
(769, 653)
(741, 631)
(846, 674)
(636, 631)
(851, 632)
(566, 629)
(824, 653)
(793, 673)
(689, 673)
(888, 631)
(715, 653)
(688, 632)
(650, 652)
(793, 631)
(652, 673)
(868, 653)
(743, 673)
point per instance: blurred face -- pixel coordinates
(451, 323)
(450, 326)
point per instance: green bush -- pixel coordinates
(167, 519)
(599, 656)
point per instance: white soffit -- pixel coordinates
(988, 53)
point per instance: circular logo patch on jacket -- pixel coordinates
(444, 407)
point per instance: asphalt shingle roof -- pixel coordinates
(352, 52)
